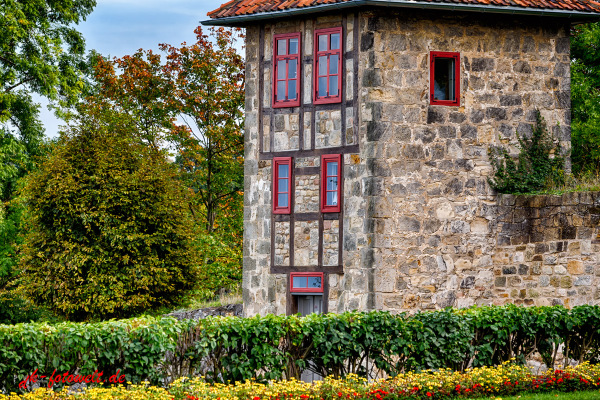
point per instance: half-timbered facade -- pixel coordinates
(367, 137)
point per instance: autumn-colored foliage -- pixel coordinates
(207, 82)
(192, 102)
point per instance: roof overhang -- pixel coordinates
(242, 20)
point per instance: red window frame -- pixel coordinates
(327, 53)
(286, 57)
(277, 161)
(325, 159)
(456, 57)
(307, 275)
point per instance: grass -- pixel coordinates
(225, 297)
(588, 395)
(583, 183)
(221, 300)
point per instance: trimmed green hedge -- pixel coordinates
(274, 347)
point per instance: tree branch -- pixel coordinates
(8, 89)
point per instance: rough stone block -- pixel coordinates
(585, 280)
(575, 267)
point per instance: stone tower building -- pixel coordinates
(368, 124)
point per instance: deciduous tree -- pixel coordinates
(193, 101)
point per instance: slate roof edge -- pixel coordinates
(241, 20)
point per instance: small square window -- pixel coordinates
(286, 71)
(331, 175)
(445, 78)
(328, 66)
(306, 282)
(282, 185)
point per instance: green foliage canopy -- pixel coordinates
(585, 98)
(108, 229)
(40, 52)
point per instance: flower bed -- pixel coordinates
(506, 379)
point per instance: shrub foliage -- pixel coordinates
(539, 164)
(275, 347)
(108, 230)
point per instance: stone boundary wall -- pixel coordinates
(229, 310)
(548, 250)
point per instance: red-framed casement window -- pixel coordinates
(445, 78)
(286, 70)
(306, 282)
(282, 185)
(328, 66)
(331, 178)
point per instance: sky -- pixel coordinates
(120, 27)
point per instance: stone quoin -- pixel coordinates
(368, 125)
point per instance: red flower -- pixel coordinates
(256, 398)
(429, 394)
(340, 394)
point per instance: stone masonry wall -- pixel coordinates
(548, 250)
(431, 215)
(421, 227)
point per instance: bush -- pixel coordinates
(108, 230)
(161, 350)
(539, 164)
(137, 347)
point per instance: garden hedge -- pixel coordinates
(160, 350)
